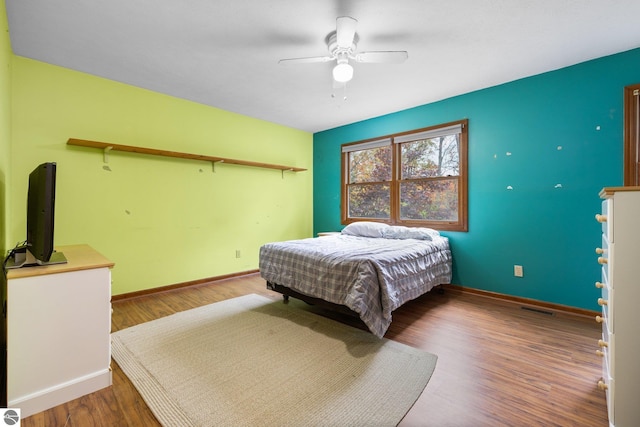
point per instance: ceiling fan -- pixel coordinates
(342, 44)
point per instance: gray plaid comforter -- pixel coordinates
(371, 276)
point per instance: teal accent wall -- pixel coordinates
(555, 139)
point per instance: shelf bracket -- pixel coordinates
(286, 170)
(213, 164)
(105, 154)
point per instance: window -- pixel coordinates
(414, 178)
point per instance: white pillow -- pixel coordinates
(365, 229)
(402, 232)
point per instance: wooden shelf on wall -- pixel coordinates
(155, 152)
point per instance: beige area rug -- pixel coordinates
(250, 361)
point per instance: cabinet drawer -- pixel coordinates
(609, 383)
(606, 304)
(604, 253)
(606, 361)
(606, 348)
(606, 219)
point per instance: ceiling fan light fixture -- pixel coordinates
(342, 45)
(343, 72)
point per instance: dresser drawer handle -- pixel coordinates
(599, 319)
(602, 260)
(602, 385)
(600, 353)
(599, 285)
(601, 218)
(602, 301)
(599, 251)
(603, 343)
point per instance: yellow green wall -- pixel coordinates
(5, 123)
(161, 220)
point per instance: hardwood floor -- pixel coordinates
(498, 364)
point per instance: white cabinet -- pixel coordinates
(619, 346)
(58, 330)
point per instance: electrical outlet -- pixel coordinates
(237, 253)
(518, 271)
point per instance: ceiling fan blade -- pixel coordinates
(308, 60)
(387, 57)
(345, 31)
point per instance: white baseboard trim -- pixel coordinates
(61, 393)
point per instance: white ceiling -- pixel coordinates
(225, 53)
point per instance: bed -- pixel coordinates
(369, 269)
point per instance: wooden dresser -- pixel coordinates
(58, 325)
(619, 346)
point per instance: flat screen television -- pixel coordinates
(41, 200)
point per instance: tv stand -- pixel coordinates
(22, 257)
(58, 330)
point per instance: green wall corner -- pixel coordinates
(162, 221)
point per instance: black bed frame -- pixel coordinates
(288, 292)
(339, 308)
